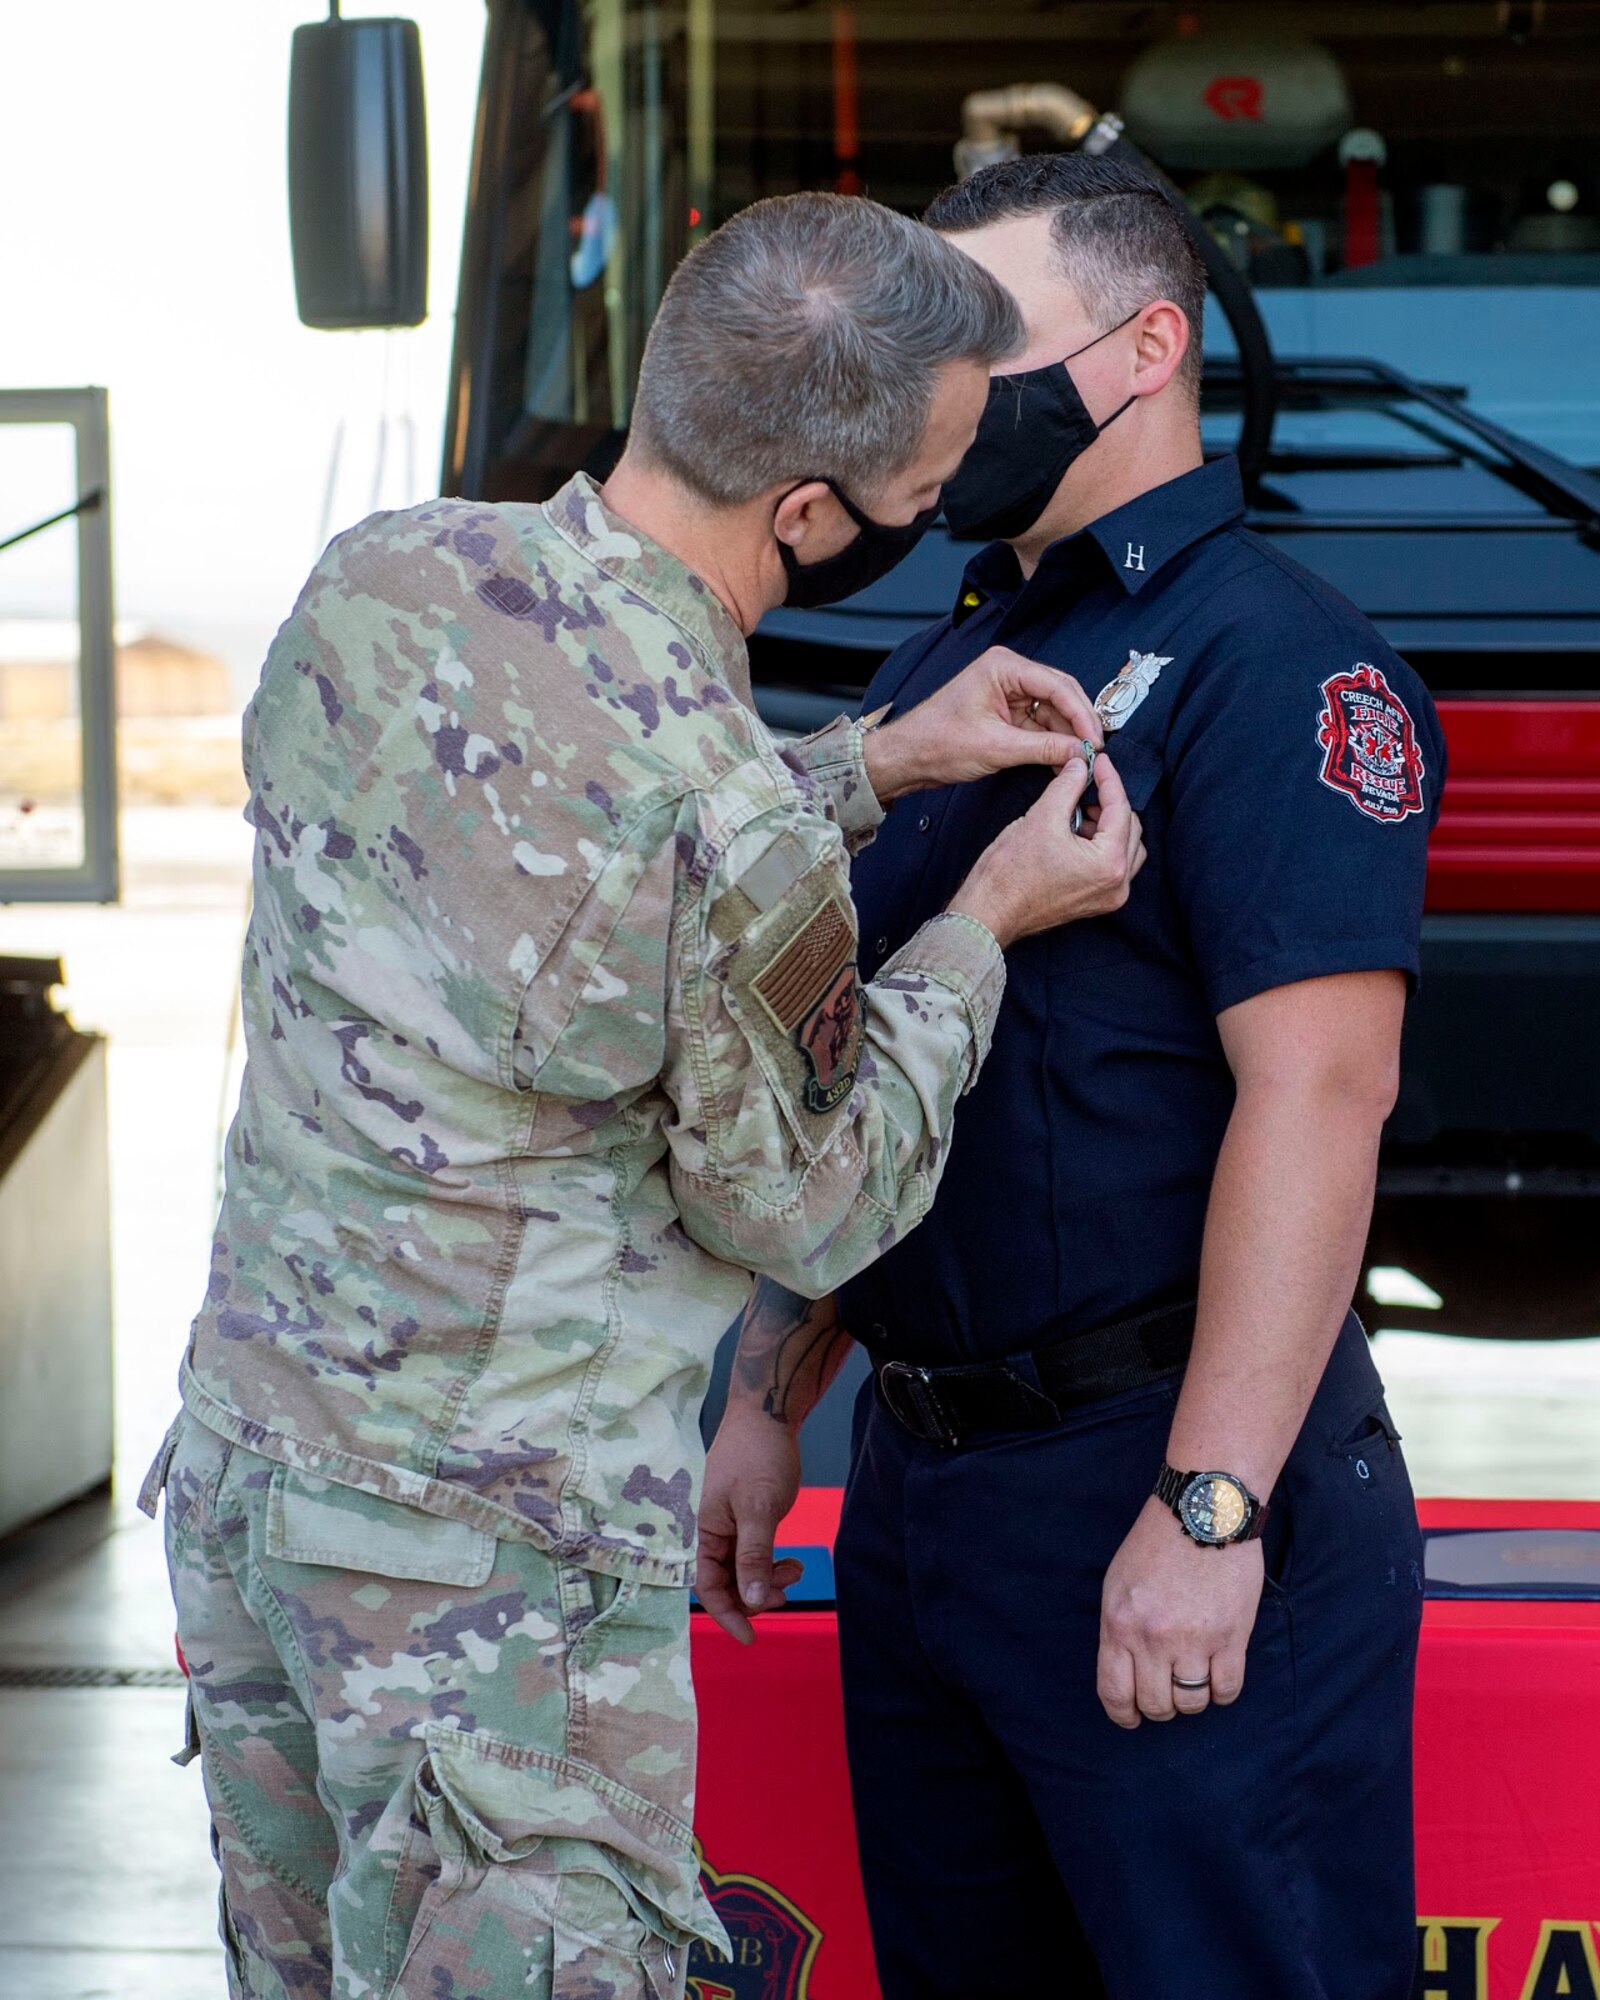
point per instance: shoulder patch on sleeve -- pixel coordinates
(811, 991)
(1369, 745)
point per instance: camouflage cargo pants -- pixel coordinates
(439, 1766)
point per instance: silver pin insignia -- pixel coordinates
(1117, 700)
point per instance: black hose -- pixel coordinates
(1258, 371)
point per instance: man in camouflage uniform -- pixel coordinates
(554, 1036)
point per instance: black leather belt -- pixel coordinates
(946, 1405)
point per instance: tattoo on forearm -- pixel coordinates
(790, 1349)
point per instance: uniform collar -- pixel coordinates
(620, 550)
(1136, 540)
(1149, 531)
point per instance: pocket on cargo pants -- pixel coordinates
(553, 1881)
(564, 1862)
(508, 1742)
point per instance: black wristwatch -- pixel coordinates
(1213, 1508)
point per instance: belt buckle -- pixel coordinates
(911, 1399)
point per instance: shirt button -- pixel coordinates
(924, 823)
(883, 946)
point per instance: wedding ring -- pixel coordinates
(1194, 1687)
(1033, 708)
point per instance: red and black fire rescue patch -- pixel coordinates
(811, 990)
(1370, 750)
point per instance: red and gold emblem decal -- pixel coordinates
(1370, 750)
(774, 1944)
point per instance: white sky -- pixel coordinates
(144, 246)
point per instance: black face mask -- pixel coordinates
(872, 554)
(1033, 427)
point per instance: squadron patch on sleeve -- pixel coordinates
(811, 990)
(1369, 745)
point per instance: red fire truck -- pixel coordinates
(1398, 205)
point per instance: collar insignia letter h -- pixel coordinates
(1134, 559)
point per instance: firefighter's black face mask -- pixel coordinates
(1033, 428)
(873, 553)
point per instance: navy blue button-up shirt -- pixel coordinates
(1287, 766)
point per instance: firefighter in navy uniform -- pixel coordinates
(1129, 1576)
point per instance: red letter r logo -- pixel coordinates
(1233, 96)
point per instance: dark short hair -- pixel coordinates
(803, 340)
(1117, 231)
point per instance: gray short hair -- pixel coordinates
(1119, 238)
(802, 340)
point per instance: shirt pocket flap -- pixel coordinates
(312, 1520)
(1138, 764)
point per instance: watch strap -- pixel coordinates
(1169, 1489)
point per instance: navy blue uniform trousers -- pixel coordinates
(1016, 1844)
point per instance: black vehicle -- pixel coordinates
(1402, 200)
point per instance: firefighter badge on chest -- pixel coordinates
(1369, 745)
(1117, 700)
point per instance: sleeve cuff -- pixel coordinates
(1229, 985)
(835, 762)
(958, 952)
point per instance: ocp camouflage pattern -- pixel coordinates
(440, 1767)
(513, 1130)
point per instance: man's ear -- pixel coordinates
(1161, 340)
(803, 510)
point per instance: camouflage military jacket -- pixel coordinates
(553, 1031)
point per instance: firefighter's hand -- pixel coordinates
(1170, 1611)
(752, 1480)
(1000, 711)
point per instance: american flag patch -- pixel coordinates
(792, 984)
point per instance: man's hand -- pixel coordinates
(752, 1479)
(1001, 710)
(1173, 1610)
(1038, 873)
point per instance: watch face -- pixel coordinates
(1213, 1507)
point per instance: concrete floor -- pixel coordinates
(108, 1890)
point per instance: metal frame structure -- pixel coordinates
(96, 879)
(1565, 491)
